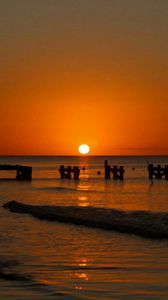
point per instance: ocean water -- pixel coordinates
(51, 260)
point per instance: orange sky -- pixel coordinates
(92, 71)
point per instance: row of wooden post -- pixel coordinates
(66, 172)
(25, 173)
(157, 172)
(116, 171)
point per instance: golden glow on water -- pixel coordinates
(84, 187)
(83, 262)
(81, 276)
(61, 258)
(83, 201)
(78, 288)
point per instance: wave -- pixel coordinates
(25, 280)
(7, 274)
(13, 276)
(67, 189)
(143, 223)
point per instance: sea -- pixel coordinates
(40, 259)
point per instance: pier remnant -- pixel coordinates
(157, 171)
(22, 172)
(118, 172)
(65, 172)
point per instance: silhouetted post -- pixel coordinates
(27, 173)
(150, 170)
(107, 169)
(68, 172)
(23, 173)
(62, 172)
(76, 173)
(114, 171)
(121, 170)
(158, 170)
(166, 172)
(18, 174)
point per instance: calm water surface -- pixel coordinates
(49, 260)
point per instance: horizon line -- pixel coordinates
(77, 155)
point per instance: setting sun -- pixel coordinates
(84, 149)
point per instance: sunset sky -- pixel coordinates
(83, 71)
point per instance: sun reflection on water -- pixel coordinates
(81, 276)
(83, 201)
(84, 187)
(82, 262)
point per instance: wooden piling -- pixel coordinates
(158, 172)
(118, 172)
(61, 170)
(76, 173)
(22, 172)
(166, 172)
(150, 171)
(121, 171)
(66, 172)
(107, 169)
(114, 172)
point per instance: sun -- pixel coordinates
(84, 149)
